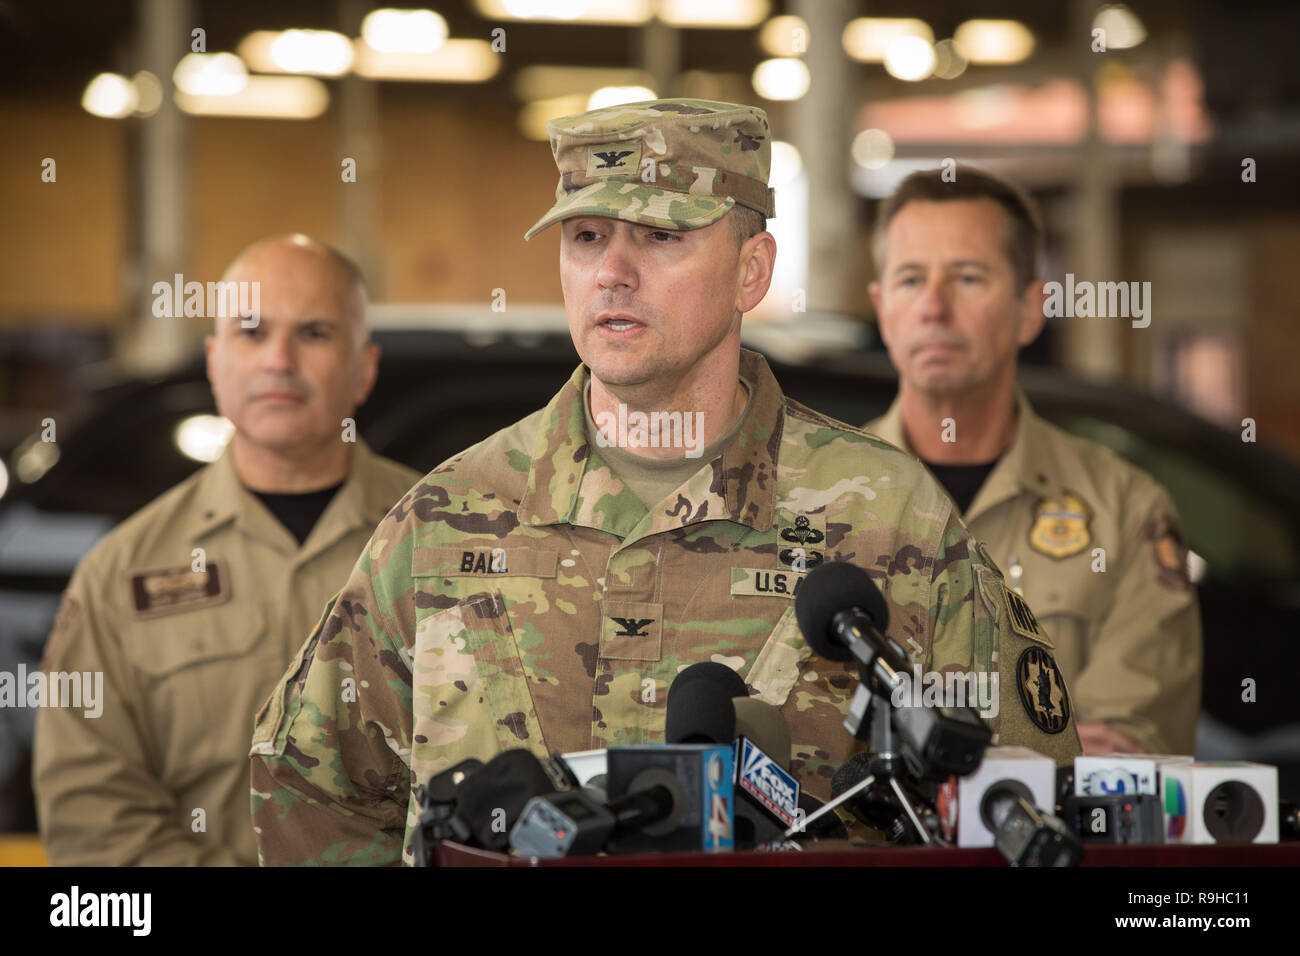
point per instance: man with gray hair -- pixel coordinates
(192, 607)
(1091, 541)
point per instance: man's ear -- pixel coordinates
(1031, 316)
(758, 258)
(873, 290)
(369, 371)
(209, 343)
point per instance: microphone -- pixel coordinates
(843, 615)
(699, 707)
(438, 819)
(709, 703)
(577, 822)
(879, 807)
(505, 783)
(1024, 834)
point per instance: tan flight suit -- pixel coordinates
(191, 609)
(1128, 639)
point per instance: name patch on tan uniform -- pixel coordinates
(168, 590)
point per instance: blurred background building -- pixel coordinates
(147, 138)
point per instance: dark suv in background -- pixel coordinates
(439, 392)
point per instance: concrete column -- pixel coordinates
(1091, 347)
(821, 130)
(149, 342)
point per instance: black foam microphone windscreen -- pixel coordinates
(505, 783)
(728, 681)
(829, 589)
(699, 712)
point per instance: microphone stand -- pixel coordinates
(869, 716)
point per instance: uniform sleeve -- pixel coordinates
(1143, 670)
(331, 747)
(98, 801)
(982, 627)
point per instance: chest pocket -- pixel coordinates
(776, 668)
(201, 674)
(160, 647)
(470, 696)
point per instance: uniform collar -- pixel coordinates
(355, 505)
(569, 483)
(1024, 466)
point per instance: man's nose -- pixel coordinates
(934, 302)
(618, 266)
(279, 352)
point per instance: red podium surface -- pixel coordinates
(841, 853)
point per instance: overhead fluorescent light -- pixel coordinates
(456, 61)
(109, 95)
(314, 52)
(726, 14)
(1120, 26)
(613, 12)
(866, 39)
(210, 74)
(404, 31)
(263, 97)
(993, 41)
(784, 78)
(784, 36)
(909, 58)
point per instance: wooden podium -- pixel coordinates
(842, 853)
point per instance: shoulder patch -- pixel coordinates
(171, 590)
(1170, 552)
(1042, 690)
(1021, 618)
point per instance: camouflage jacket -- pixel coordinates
(520, 596)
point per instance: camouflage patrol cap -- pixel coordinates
(675, 164)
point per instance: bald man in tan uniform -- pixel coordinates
(194, 606)
(1091, 541)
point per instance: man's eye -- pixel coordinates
(315, 332)
(909, 280)
(585, 235)
(971, 278)
(252, 331)
(663, 235)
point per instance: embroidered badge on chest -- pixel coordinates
(801, 540)
(1042, 690)
(1060, 526)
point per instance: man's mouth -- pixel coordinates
(618, 323)
(279, 397)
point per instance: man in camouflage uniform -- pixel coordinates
(1091, 541)
(543, 588)
(192, 607)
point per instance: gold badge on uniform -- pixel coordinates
(1171, 553)
(1060, 526)
(1042, 690)
(177, 589)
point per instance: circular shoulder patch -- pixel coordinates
(1042, 690)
